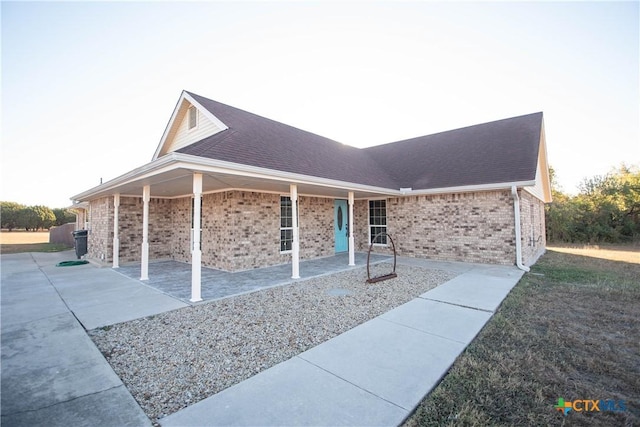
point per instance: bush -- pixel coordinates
(606, 210)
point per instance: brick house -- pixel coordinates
(264, 193)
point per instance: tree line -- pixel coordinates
(605, 210)
(15, 216)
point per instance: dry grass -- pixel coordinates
(13, 242)
(624, 253)
(21, 237)
(568, 329)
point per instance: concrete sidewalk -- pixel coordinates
(374, 374)
(52, 373)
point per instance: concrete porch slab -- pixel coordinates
(174, 278)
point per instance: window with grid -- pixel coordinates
(378, 221)
(193, 117)
(286, 224)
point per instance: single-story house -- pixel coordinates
(262, 193)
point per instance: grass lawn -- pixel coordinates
(14, 242)
(569, 329)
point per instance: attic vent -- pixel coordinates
(193, 117)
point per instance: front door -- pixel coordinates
(340, 225)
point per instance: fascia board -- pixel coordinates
(470, 188)
(173, 161)
(206, 112)
(544, 166)
(167, 129)
(153, 168)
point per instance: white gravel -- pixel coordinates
(175, 359)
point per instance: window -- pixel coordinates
(193, 117)
(378, 221)
(286, 224)
(193, 211)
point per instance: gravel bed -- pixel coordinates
(173, 360)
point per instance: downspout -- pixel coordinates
(516, 213)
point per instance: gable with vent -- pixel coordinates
(189, 123)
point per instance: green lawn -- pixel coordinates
(568, 330)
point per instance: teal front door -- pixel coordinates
(340, 225)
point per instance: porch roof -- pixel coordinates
(171, 176)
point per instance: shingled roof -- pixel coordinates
(257, 141)
(501, 151)
(504, 151)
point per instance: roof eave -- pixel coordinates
(176, 160)
(470, 188)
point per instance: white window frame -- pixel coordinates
(192, 112)
(286, 251)
(192, 218)
(369, 225)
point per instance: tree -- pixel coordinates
(607, 209)
(10, 215)
(63, 216)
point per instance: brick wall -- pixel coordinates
(241, 229)
(316, 227)
(181, 227)
(100, 235)
(532, 224)
(470, 227)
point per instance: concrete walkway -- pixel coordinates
(52, 373)
(374, 374)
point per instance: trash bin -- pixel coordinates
(80, 242)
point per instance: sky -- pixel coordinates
(88, 87)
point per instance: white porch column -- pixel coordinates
(352, 249)
(295, 245)
(116, 235)
(144, 266)
(196, 253)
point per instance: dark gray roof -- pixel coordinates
(495, 152)
(490, 153)
(257, 141)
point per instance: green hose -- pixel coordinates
(71, 263)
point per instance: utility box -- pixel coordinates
(80, 242)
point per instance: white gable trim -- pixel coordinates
(542, 187)
(185, 97)
(205, 112)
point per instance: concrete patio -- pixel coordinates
(174, 278)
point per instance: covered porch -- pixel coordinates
(176, 178)
(174, 278)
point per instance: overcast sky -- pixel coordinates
(88, 88)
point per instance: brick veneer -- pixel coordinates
(532, 224)
(241, 229)
(471, 227)
(100, 232)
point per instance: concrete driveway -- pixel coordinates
(52, 373)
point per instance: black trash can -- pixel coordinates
(80, 242)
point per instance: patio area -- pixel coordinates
(174, 278)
